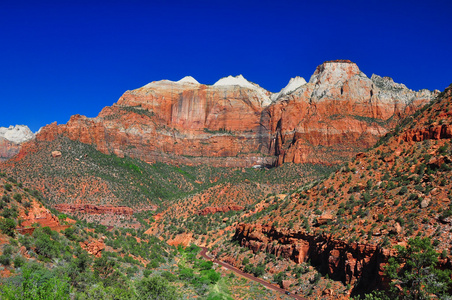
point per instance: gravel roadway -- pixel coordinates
(249, 276)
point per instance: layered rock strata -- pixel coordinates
(339, 112)
(214, 209)
(94, 209)
(236, 123)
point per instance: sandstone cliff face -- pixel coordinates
(8, 149)
(236, 123)
(11, 139)
(340, 260)
(177, 123)
(339, 112)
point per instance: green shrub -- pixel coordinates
(19, 261)
(18, 197)
(8, 187)
(403, 190)
(8, 226)
(156, 288)
(5, 260)
(279, 277)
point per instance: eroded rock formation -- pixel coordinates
(236, 123)
(8, 149)
(339, 112)
(215, 209)
(342, 261)
(94, 209)
(432, 132)
(94, 246)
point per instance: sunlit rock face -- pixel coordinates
(11, 138)
(180, 122)
(236, 123)
(338, 113)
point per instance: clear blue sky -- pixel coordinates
(59, 58)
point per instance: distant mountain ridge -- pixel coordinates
(236, 123)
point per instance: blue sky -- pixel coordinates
(60, 58)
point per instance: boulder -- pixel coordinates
(56, 154)
(324, 218)
(425, 202)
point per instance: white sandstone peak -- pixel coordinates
(237, 80)
(242, 82)
(188, 79)
(293, 84)
(17, 134)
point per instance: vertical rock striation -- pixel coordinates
(236, 123)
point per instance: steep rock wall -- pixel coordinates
(338, 113)
(340, 260)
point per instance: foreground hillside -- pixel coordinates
(44, 255)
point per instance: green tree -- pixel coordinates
(7, 226)
(44, 245)
(279, 277)
(36, 287)
(413, 271)
(156, 288)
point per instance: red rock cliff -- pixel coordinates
(341, 261)
(8, 149)
(234, 123)
(94, 209)
(339, 112)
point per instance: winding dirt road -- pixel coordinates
(203, 253)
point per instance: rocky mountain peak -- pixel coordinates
(293, 85)
(334, 71)
(17, 134)
(234, 122)
(386, 83)
(240, 81)
(188, 79)
(237, 80)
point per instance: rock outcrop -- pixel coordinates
(182, 239)
(432, 132)
(342, 261)
(42, 216)
(94, 246)
(38, 214)
(94, 209)
(236, 123)
(339, 112)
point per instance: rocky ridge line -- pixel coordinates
(234, 123)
